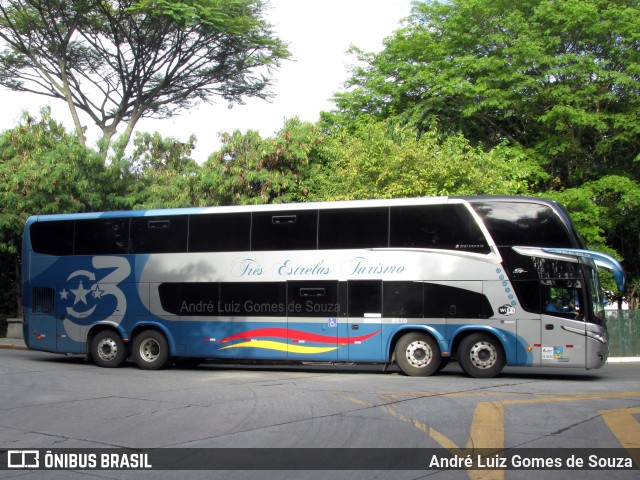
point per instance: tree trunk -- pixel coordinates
(66, 91)
(105, 141)
(125, 138)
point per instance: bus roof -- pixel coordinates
(291, 206)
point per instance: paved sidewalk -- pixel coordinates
(15, 343)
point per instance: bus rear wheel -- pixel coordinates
(418, 354)
(150, 350)
(481, 356)
(108, 350)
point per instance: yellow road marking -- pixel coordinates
(487, 426)
(487, 432)
(626, 429)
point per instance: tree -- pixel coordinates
(559, 79)
(161, 174)
(387, 160)
(43, 170)
(606, 212)
(251, 170)
(120, 61)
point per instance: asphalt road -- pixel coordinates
(49, 401)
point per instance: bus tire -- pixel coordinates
(481, 356)
(150, 350)
(108, 350)
(418, 354)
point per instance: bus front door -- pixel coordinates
(562, 326)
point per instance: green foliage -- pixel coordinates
(557, 78)
(251, 170)
(160, 173)
(606, 212)
(44, 170)
(386, 160)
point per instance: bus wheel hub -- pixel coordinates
(107, 349)
(149, 350)
(483, 355)
(419, 354)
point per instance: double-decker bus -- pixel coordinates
(485, 281)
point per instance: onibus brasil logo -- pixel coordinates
(84, 293)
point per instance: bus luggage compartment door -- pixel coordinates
(312, 320)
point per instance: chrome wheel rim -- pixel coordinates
(149, 350)
(107, 349)
(483, 355)
(419, 354)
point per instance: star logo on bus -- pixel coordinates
(84, 291)
(80, 294)
(97, 292)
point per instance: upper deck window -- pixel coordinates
(159, 234)
(102, 236)
(522, 223)
(219, 232)
(285, 230)
(450, 227)
(354, 228)
(52, 238)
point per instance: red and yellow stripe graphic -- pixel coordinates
(262, 338)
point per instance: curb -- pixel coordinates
(12, 346)
(624, 360)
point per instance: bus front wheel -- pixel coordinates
(418, 354)
(481, 356)
(150, 350)
(108, 350)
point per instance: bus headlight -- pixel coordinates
(601, 337)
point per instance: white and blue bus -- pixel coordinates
(485, 281)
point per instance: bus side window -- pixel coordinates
(528, 292)
(102, 236)
(312, 298)
(445, 301)
(159, 234)
(562, 298)
(354, 228)
(219, 232)
(284, 230)
(449, 227)
(53, 238)
(403, 300)
(365, 298)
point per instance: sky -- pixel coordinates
(319, 33)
